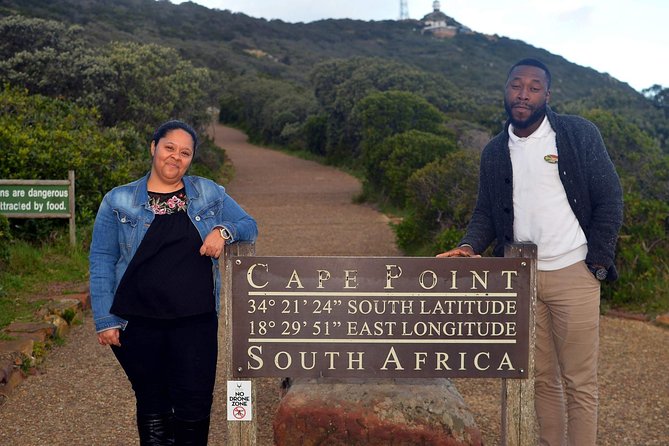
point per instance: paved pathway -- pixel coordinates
(302, 208)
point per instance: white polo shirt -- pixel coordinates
(541, 210)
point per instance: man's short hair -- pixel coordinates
(529, 61)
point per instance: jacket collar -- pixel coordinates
(141, 197)
(192, 191)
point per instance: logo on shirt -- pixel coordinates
(551, 159)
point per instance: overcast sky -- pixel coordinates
(626, 38)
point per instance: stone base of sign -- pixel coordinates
(346, 412)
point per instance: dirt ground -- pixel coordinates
(81, 396)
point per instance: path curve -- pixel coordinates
(302, 207)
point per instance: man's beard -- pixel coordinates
(536, 115)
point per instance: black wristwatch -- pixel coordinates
(599, 272)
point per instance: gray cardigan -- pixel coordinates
(587, 174)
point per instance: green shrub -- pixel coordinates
(68, 315)
(643, 250)
(443, 193)
(139, 84)
(441, 197)
(209, 162)
(43, 138)
(383, 114)
(315, 133)
(411, 235)
(407, 153)
(272, 111)
(447, 239)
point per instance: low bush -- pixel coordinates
(43, 138)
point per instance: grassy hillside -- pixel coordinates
(236, 42)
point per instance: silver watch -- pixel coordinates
(225, 234)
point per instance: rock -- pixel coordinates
(68, 309)
(11, 377)
(61, 326)
(44, 328)
(21, 346)
(403, 412)
(83, 298)
(36, 336)
(6, 368)
(27, 342)
(663, 319)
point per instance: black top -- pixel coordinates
(167, 278)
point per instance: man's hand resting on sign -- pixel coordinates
(460, 251)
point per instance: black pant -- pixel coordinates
(171, 364)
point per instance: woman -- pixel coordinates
(155, 286)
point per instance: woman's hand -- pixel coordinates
(213, 244)
(109, 337)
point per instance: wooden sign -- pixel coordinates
(381, 317)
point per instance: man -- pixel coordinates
(547, 178)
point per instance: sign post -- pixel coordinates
(39, 199)
(241, 430)
(519, 427)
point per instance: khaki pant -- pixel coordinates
(567, 324)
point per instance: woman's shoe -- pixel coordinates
(155, 430)
(191, 433)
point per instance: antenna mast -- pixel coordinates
(404, 10)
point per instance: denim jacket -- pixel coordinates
(124, 217)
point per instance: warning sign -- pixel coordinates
(240, 405)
